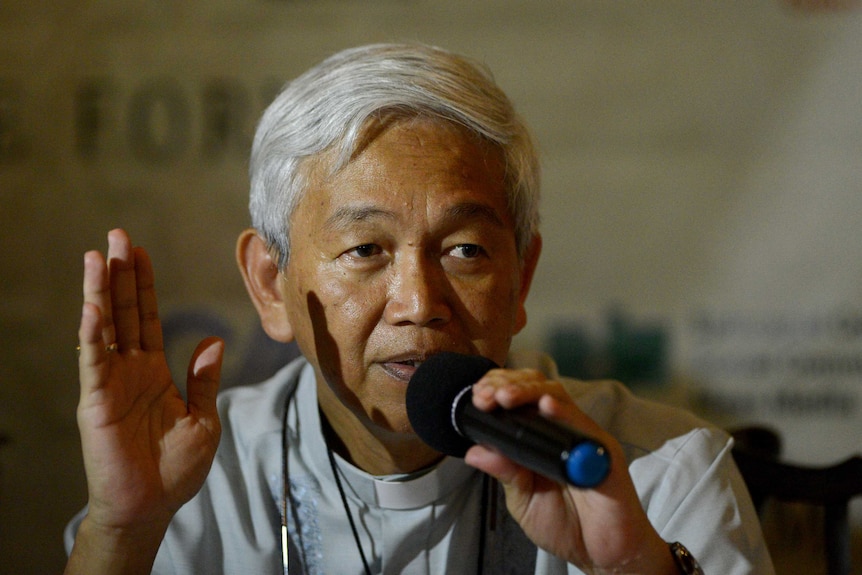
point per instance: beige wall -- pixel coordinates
(699, 157)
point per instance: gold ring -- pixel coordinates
(108, 348)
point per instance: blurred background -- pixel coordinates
(702, 208)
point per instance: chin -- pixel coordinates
(396, 423)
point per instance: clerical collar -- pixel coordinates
(410, 490)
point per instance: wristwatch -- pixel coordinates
(686, 562)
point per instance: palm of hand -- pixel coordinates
(150, 454)
(146, 450)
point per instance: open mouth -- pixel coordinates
(401, 370)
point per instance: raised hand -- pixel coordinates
(146, 450)
(601, 530)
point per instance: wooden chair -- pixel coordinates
(757, 454)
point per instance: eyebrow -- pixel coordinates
(473, 210)
(347, 215)
(465, 211)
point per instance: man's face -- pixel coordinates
(407, 251)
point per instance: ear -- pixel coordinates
(528, 268)
(263, 283)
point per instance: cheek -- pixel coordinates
(352, 309)
(343, 315)
(495, 304)
(353, 305)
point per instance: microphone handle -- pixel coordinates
(541, 445)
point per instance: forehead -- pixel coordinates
(413, 162)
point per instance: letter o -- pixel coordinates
(158, 121)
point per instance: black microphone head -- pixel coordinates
(432, 391)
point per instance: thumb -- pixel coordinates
(203, 377)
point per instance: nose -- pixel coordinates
(419, 292)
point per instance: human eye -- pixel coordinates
(467, 251)
(364, 251)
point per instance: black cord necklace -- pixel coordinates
(285, 489)
(347, 512)
(287, 497)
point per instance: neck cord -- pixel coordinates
(285, 488)
(483, 524)
(286, 495)
(347, 509)
(287, 501)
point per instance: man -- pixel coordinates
(394, 202)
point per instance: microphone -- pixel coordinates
(440, 409)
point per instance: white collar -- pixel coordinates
(407, 491)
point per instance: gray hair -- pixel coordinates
(330, 106)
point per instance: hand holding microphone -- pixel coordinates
(585, 512)
(441, 410)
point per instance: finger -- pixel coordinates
(91, 348)
(97, 292)
(148, 309)
(512, 388)
(496, 465)
(124, 292)
(203, 378)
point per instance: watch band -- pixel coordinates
(685, 561)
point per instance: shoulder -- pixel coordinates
(642, 426)
(249, 411)
(681, 465)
